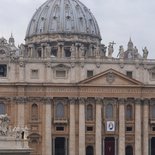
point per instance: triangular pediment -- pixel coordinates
(110, 77)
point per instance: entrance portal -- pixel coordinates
(129, 150)
(60, 146)
(153, 146)
(89, 150)
(109, 146)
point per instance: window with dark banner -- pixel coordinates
(109, 146)
(3, 70)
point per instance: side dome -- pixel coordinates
(63, 17)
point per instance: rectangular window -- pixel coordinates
(60, 73)
(89, 73)
(129, 74)
(3, 70)
(59, 128)
(153, 128)
(34, 74)
(129, 128)
(67, 53)
(89, 128)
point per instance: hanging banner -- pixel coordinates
(110, 126)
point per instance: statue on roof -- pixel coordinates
(145, 52)
(121, 52)
(111, 49)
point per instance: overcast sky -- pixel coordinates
(118, 20)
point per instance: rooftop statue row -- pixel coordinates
(68, 50)
(130, 53)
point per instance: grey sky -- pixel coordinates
(118, 20)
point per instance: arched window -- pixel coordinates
(34, 112)
(129, 112)
(129, 150)
(109, 111)
(89, 150)
(59, 110)
(153, 111)
(89, 112)
(2, 108)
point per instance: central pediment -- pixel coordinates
(110, 77)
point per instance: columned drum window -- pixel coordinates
(129, 150)
(89, 112)
(109, 111)
(2, 108)
(89, 150)
(59, 110)
(129, 112)
(34, 112)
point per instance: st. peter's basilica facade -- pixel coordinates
(69, 90)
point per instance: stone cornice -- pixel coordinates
(121, 101)
(138, 101)
(72, 100)
(146, 101)
(82, 100)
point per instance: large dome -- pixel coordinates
(63, 17)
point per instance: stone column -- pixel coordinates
(116, 141)
(72, 128)
(20, 116)
(103, 145)
(138, 127)
(31, 51)
(47, 129)
(145, 127)
(121, 140)
(60, 50)
(98, 140)
(81, 126)
(48, 51)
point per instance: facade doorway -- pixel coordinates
(60, 146)
(153, 146)
(109, 146)
(89, 150)
(129, 150)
